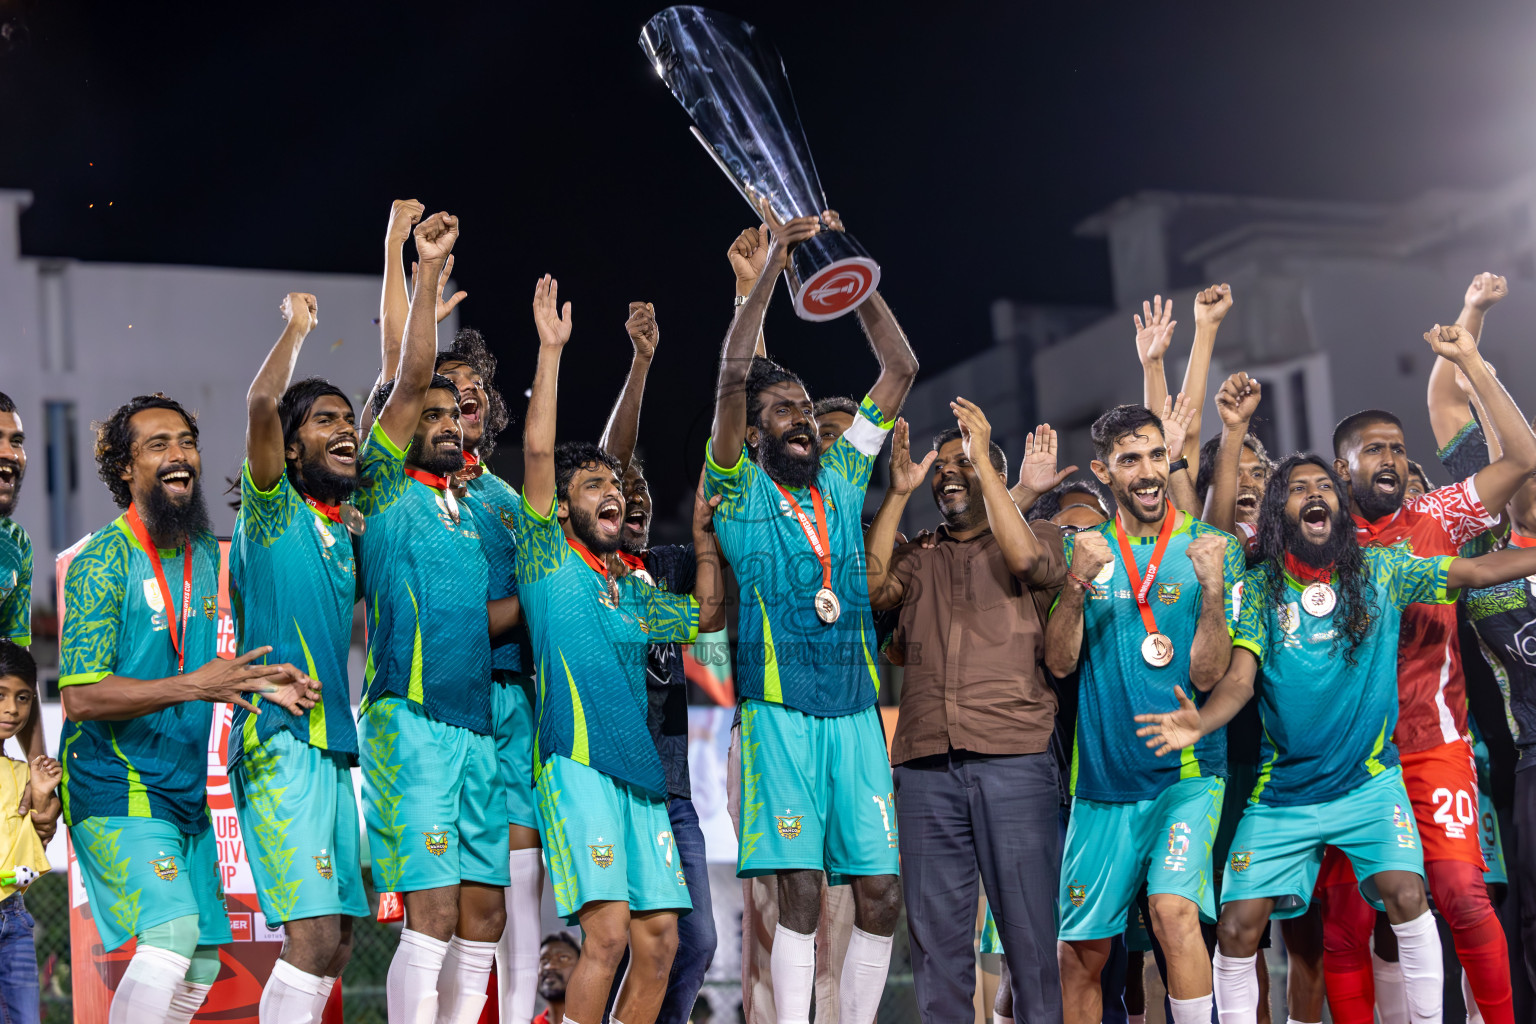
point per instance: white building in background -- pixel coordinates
(1331, 302)
(78, 339)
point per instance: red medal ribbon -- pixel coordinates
(1304, 573)
(140, 533)
(471, 459)
(1143, 586)
(635, 562)
(597, 564)
(472, 467)
(1520, 540)
(430, 479)
(331, 512)
(817, 535)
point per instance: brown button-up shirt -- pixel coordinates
(975, 639)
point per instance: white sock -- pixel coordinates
(1390, 1007)
(998, 1018)
(323, 996)
(411, 985)
(462, 982)
(1418, 956)
(144, 994)
(1194, 1011)
(793, 966)
(1293, 1020)
(289, 995)
(186, 1002)
(517, 954)
(1237, 988)
(1474, 1015)
(865, 966)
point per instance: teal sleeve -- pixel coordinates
(1417, 580)
(264, 515)
(1234, 566)
(16, 614)
(94, 591)
(1250, 597)
(541, 544)
(670, 618)
(849, 463)
(380, 473)
(732, 482)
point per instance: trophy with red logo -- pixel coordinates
(732, 83)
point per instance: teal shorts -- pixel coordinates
(298, 818)
(990, 942)
(1277, 851)
(607, 840)
(433, 800)
(1488, 835)
(816, 794)
(1113, 848)
(140, 872)
(513, 717)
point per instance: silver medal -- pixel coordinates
(352, 519)
(828, 608)
(1318, 599)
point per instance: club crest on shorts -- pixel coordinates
(165, 868)
(324, 867)
(1168, 593)
(1077, 893)
(210, 607)
(602, 854)
(789, 824)
(1241, 860)
(437, 842)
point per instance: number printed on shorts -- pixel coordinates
(1455, 810)
(887, 804)
(1178, 847)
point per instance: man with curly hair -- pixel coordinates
(1318, 629)
(139, 677)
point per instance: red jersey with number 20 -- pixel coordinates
(1431, 692)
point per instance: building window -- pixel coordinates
(63, 472)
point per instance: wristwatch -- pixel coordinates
(1174, 467)
(741, 300)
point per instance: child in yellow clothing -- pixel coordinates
(29, 814)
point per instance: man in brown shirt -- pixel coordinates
(976, 783)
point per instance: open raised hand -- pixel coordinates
(553, 322)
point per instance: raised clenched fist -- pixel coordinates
(1208, 553)
(1485, 290)
(643, 332)
(435, 237)
(301, 310)
(1212, 304)
(1090, 554)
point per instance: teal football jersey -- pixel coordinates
(785, 654)
(590, 654)
(493, 503)
(15, 583)
(1110, 762)
(1328, 723)
(424, 587)
(278, 540)
(116, 623)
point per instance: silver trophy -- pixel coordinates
(732, 83)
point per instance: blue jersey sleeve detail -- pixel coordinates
(541, 544)
(381, 474)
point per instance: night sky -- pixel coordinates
(960, 142)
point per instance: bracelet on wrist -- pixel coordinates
(1086, 584)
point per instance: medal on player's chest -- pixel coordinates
(825, 602)
(1156, 647)
(1318, 599)
(352, 519)
(828, 607)
(1157, 650)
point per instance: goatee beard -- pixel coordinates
(784, 466)
(166, 518)
(316, 479)
(1319, 556)
(584, 526)
(631, 544)
(1128, 502)
(1373, 504)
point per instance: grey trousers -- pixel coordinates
(962, 815)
